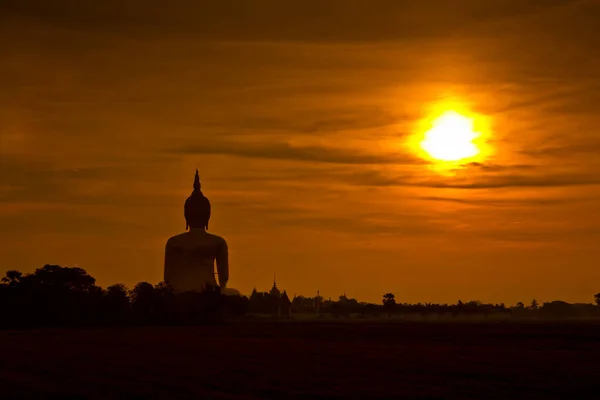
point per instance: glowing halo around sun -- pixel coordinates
(451, 138)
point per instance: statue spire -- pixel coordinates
(197, 182)
(197, 207)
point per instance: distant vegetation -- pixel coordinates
(57, 296)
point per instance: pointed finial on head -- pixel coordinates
(197, 181)
(197, 207)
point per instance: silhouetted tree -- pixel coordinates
(76, 279)
(12, 277)
(59, 296)
(165, 307)
(237, 305)
(534, 305)
(117, 306)
(52, 295)
(143, 302)
(520, 305)
(389, 302)
(118, 294)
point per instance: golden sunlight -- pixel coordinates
(451, 138)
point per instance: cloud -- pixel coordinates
(498, 167)
(541, 236)
(316, 122)
(31, 183)
(342, 219)
(375, 178)
(507, 181)
(565, 150)
(362, 225)
(381, 175)
(69, 221)
(286, 151)
(272, 20)
(516, 202)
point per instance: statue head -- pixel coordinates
(197, 207)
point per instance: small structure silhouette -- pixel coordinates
(281, 299)
(275, 292)
(284, 309)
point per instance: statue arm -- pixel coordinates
(223, 264)
(168, 257)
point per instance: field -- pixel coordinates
(252, 360)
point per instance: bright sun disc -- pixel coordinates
(451, 138)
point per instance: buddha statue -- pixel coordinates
(190, 257)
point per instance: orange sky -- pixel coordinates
(297, 118)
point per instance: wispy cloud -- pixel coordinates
(507, 181)
(496, 181)
(286, 151)
(497, 167)
(242, 20)
(492, 202)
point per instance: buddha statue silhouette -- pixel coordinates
(190, 256)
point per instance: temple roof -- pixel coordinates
(285, 300)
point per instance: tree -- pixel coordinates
(534, 305)
(76, 279)
(116, 303)
(12, 277)
(164, 303)
(597, 299)
(520, 305)
(118, 293)
(389, 303)
(143, 301)
(57, 296)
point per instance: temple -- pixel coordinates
(190, 257)
(273, 301)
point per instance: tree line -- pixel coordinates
(61, 296)
(347, 307)
(54, 296)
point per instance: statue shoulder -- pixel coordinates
(174, 240)
(188, 240)
(218, 239)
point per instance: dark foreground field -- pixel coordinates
(307, 360)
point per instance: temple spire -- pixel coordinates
(275, 290)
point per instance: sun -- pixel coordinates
(452, 137)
